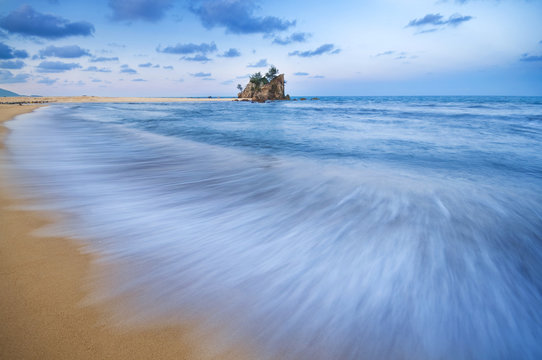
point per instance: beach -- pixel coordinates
(44, 310)
(230, 179)
(347, 228)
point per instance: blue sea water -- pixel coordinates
(343, 228)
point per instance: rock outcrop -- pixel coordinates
(274, 90)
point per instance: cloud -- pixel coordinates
(116, 45)
(146, 65)
(7, 52)
(95, 69)
(301, 74)
(231, 53)
(457, 19)
(56, 66)
(66, 52)
(147, 10)
(227, 82)
(429, 19)
(397, 55)
(295, 37)
(261, 63)
(324, 49)
(103, 59)
(385, 53)
(26, 21)
(78, 83)
(9, 64)
(47, 81)
(198, 58)
(187, 49)
(530, 58)
(438, 20)
(6, 77)
(201, 74)
(169, 67)
(427, 31)
(237, 17)
(127, 70)
(139, 80)
(318, 77)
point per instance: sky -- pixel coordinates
(207, 47)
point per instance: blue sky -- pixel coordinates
(207, 47)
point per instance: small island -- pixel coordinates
(262, 88)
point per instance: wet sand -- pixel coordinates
(44, 308)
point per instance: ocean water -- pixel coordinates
(344, 228)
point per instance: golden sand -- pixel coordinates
(43, 309)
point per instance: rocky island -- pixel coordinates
(261, 88)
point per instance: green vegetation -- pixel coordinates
(271, 73)
(258, 79)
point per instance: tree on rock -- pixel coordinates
(258, 80)
(271, 73)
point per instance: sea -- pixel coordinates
(337, 228)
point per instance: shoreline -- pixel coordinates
(44, 310)
(19, 100)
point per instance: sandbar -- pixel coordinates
(16, 100)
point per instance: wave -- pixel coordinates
(307, 258)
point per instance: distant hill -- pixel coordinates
(4, 93)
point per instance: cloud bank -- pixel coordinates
(237, 17)
(438, 20)
(530, 58)
(231, 53)
(295, 37)
(12, 65)
(7, 52)
(66, 52)
(56, 66)
(6, 77)
(28, 22)
(103, 59)
(190, 48)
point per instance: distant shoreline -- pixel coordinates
(16, 100)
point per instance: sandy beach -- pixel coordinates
(43, 312)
